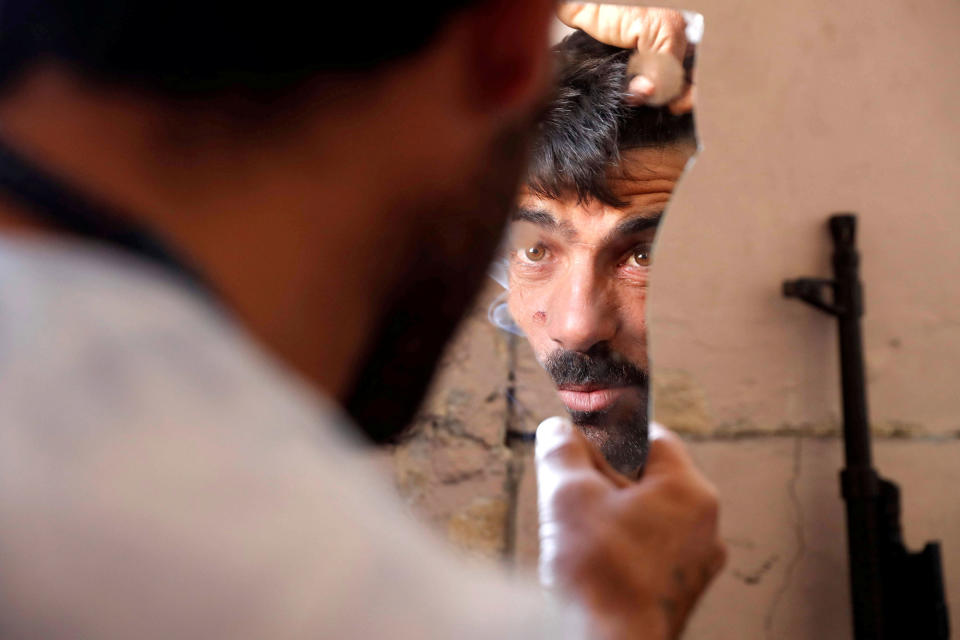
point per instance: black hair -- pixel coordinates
(200, 48)
(588, 124)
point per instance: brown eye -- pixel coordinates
(640, 258)
(535, 253)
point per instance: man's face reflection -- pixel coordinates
(578, 288)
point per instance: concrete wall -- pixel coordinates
(806, 109)
(803, 109)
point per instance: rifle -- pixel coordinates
(896, 594)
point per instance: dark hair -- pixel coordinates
(588, 124)
(201, 48)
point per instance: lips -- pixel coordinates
(586, 398)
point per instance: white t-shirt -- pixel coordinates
(162, 477)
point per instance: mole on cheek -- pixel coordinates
(540, 317)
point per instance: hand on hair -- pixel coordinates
(636, 555)
(659, 37)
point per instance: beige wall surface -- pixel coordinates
(804, 109)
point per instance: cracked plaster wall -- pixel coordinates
(804, 109)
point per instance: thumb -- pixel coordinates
(563, 452)
(656, 78)
(563, 460)
(560, 447)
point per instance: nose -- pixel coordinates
(581, 312)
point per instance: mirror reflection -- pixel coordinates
(579, 249)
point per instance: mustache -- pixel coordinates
(600, 366)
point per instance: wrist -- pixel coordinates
(614, 617)
(650, 624)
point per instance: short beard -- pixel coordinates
(433, 288)
(620, 432)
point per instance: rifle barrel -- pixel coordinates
(858, 480)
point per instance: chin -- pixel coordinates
(620, 434)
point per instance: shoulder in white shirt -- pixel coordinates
(162, 477)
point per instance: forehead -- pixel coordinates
(644, 179)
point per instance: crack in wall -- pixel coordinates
(455, 429)
(721, 435)
(458, 478)
(801, 541)
(755, 576)
(515, 465)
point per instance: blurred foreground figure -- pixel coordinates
(230, 239)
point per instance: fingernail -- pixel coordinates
(552, 429)
(641, 86)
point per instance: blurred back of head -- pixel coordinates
(434, 106)
(200, 49)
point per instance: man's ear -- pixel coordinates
(509, 57)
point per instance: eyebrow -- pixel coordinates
(636, 224)
(543, 218)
